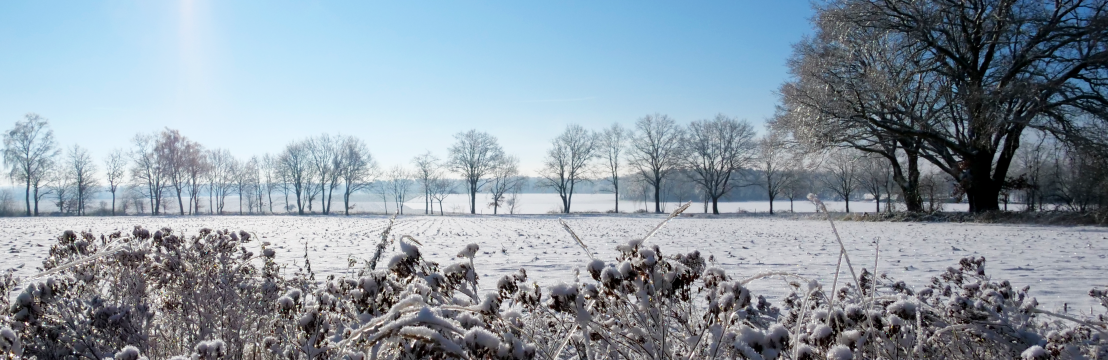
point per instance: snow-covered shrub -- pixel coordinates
(207, 296)
(160, 293)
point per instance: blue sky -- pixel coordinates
(251, 76)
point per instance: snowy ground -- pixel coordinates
(542, 203)
(546, 203)
(1059, 263)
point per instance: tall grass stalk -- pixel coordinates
(842, 253)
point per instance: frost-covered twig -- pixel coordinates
(812, 287)
(842, 253)
(71, 264)
(576, 238)
(672, 215)
(772, 273)
(1076, 320)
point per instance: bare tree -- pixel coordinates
(178, 155)
(29, 152)
(505, 177)
(246, 176)
(656, 151)
(382, 187)
(115, 168)
(60, 184)
(1002, 67)
(514, 202)
(611, 144)
(311, 188)
(137, 197)
(269, 178)
(778, 168)
(284, 183)
(874, 177)
(295, 163)
(1032, 160)
(82, 171)
(220, 176)
(473, 156)
(934, 187)
(426, 165)
(357, 171)
(148, 169)
(843, 169)
(325, 162)
(399, 182)
(856, 87)
(567, 162)
(441, 187)
(799, 187)
(1078, 178)
(196, 169)
(715, 150)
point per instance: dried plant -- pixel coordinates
(207, 296)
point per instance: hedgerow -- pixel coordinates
(164, 295)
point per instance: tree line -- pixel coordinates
(656, 160)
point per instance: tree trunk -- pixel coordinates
(181, 204)
(982, 191)
(569, 198)
(771, 197)
(113, 203)
(909, 185)
(473, 197)
(299, 205)
(616, 188)
(715, 205)
(877, 202)
(657, 197)
(36, 200)
(983, 197)
(29, 197)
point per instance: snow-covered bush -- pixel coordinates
(207, 296)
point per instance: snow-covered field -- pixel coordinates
(1060, 263)
(546, 203)
(534, 203)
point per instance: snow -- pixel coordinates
(839, 352)
(1060, 264)
(544, 203)
(1034, 352)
